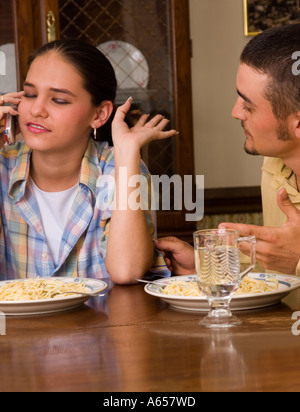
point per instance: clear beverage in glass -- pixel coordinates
(217, 256)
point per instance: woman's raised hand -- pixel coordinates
(144, 131)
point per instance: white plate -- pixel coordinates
(130, 65)
(239, 302)
(43, 306)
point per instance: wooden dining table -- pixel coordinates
(128, 341)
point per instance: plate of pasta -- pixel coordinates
(45, 295)
(257, 290)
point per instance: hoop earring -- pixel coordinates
(95, 134)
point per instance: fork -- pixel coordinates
(78, 293)
(154, 282)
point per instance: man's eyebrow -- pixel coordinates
(245, 98)
(53, 89)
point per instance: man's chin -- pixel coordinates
(251, 151)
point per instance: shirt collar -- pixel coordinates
(282, 177)
(89, 172)
(90, 167)
(20, 173)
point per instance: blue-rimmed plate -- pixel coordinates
(44, 306)
(239, 302)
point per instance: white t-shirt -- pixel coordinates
(54, 208)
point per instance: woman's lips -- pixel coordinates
(36, 128)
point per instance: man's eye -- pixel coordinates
(246, 108)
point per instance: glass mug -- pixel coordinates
(217, 257)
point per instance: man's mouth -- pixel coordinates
(247, 133)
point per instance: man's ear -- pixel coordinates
(297, 125)
(102, 114)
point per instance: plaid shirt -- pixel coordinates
(24, 253)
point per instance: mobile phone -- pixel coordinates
(10, 129)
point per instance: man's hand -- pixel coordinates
(277, 249)
(179, 255)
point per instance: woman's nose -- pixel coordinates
(39, 108)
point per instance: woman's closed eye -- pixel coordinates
(54, 99)
(29, 96)
(60, 101)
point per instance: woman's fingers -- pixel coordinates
(11, 98)
(123, 110)
(142, 120)
(144, 131)
(8, 109)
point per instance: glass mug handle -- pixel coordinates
(252, 242)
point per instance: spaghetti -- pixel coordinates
(251, 285)
(37, 289)
(248, 285)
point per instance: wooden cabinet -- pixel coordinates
(159, 31)
(28, 20)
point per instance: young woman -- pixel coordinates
(57, 214)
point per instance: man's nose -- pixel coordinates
(238, 112)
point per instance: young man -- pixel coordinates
(268, 106)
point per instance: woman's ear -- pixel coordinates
(102, 114)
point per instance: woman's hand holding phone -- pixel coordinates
(8, 112)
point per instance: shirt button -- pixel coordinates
(45, 255)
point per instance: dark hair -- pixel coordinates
(97, 73)
(271, 53)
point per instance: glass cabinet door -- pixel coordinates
(8, 68)
(148, 43)
(136, 37)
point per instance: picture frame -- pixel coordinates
(260, 15)
(247, 23)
